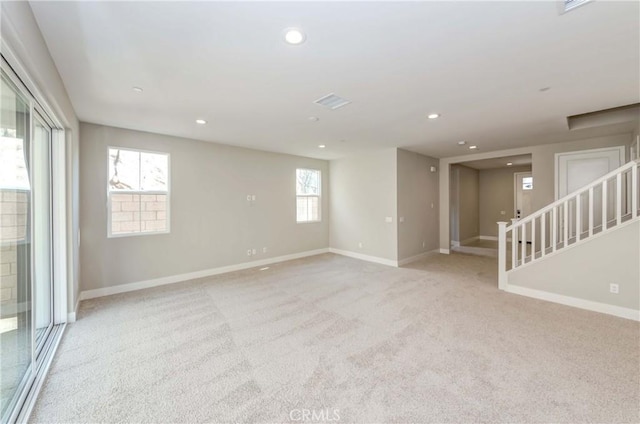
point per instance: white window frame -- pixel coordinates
(139, 192)
(319, 196)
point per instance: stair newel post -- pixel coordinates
(502, 255)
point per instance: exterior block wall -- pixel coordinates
(133, 213)
(14, 213)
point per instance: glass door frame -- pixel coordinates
(39, 343)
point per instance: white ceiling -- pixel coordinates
(501, 162)
(479, 64)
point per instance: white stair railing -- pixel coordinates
(602, 205)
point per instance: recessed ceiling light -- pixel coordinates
(321, 146)
(138, 89)
(473, 147)
(201, 121)
(462, 142)
(314, 119)
(509, 163)
(294, 36)
(433, 115)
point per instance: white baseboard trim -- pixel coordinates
(418, 257)
(469, 240)
(481, 251)
(493, 238)
(124, 288)
(363, 257)
(466, 241)
(589, 305)
(445, 251)
(71, 316)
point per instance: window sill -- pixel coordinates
(150, 233)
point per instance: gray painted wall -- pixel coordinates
(496, 195)
(212, 224)
(417, 203)
(363, 192)
(465, 203)
(586, 270)
(21, 32)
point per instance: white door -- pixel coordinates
(523, 190)
(575, 170)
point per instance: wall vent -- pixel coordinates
(572, 4)
(332, 101)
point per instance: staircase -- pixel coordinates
(607, 203)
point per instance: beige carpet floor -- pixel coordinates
(433, 342)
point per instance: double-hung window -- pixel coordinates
(138, 192)
(308, 191)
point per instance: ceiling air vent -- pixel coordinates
(332, 101)
(572, 4)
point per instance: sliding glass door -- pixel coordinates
(26, 295)
(16, 325)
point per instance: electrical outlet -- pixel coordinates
(388, 219)
(360, 245)
(248, 252)
(401, 219)
(253, 197)
(264, 250)
(424, 244)
(614, 288)
(432, 206)
(254, 251)
(503, 212)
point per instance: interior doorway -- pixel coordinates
(481, 195)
